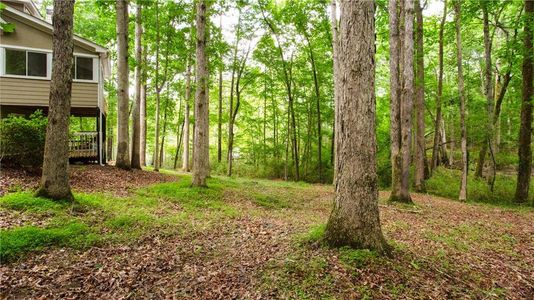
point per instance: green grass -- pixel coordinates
(30, 238)
(24, 201)
(166, 208)
(446, 183)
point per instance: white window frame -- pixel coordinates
(96, 59)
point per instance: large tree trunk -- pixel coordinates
(420, 153)
(201, 153)
(407, 100)
(395, 93)
(123, 157)
(461, 91)
(136, 126)
(488, 91)
(355, 220)
(55, 177)
(437, 123)
(525, 131)
(185, 156)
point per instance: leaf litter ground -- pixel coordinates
(265, 249)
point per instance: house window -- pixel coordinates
(25, 63)
(15, 62)
(83, 68)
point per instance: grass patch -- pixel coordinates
(314, 235)
(24, 201)
(21, 240)
(357, 257)
(269, 201)
(166, 208)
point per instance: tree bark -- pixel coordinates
(395, 100)
(185, 157)
(488, 91)
(420, 153)
(123, 157)
(164, 132)
(335, 41)
(407, 100)
(201, 153)
(461, 91)
(136, 126)
(437, 123)
(525, 131)
(219, 117)
(235, 70)
(142, 126)
(158, 92)
(55, 176)
(355, 220)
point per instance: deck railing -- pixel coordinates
(83, 145)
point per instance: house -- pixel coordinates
(26, 68)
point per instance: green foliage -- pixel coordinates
(22, 140)
(446, 183)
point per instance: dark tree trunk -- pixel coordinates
(355, 220)
(185, 155)
(525, 132)
(55, 177)
(201, 144)
(123, 157)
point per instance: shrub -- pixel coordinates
(22, 140)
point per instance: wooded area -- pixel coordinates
(393, 102)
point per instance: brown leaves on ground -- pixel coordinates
(86, 178)
(443, 250)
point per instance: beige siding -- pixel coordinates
(34, 92)
(27, 36)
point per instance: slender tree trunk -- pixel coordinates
(219, 119)
(355, 220)
(185, 157)
(142, 125)
(136, 126)
(525, 131)
(420, 153)
(437, 123)
(461, 91)
(235, 70)
(123, 157)
(488, 91)
(55, 176)
(287, 81)
(395, 99)
(201, 154)
(317, 107)
(158, 92)
(335, 43)
(179, 136)
(163, 134)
